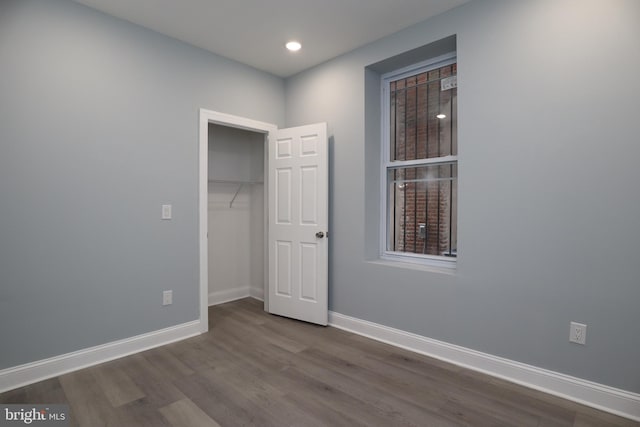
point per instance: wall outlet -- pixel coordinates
(578, 333)
(167, 297)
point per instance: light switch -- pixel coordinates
(166, 211)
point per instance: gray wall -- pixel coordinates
(98, 129)
(232, 152)
(548, 202)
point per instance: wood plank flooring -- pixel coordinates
(254, 369)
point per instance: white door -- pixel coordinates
(298, 217)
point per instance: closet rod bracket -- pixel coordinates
(235, 195)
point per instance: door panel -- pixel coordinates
(283, 195)
(309, 195)
(283, 268)
(298, 216)
(308, 272)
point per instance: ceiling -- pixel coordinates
(254, 31)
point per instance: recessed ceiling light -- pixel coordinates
(441, 116)
(293, 46)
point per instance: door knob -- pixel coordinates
(320, 234)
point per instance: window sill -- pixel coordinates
(399, 263)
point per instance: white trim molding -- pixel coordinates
(228, 295)
(205, 118)
(609, 399)
(257, 293)
(33, 372)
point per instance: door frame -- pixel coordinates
(228, 120)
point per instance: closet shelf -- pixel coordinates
(239, 183)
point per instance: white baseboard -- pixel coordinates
(257, 293)
(33, 372)
(220, 297)
(228, 295)
(616, 401)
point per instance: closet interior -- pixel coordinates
(235, 214)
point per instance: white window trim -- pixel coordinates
(386, 163)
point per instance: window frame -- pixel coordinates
(387, 164)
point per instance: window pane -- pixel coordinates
(415, 102)
(422, 209)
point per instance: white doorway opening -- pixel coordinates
(295, 231)
(208, 117)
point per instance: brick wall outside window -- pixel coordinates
(416, 133)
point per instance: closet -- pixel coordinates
(233, 203)
(235, 213)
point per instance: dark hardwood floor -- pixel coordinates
(255, 369)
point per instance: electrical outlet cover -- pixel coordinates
(578, 333)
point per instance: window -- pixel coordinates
(420, 164)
